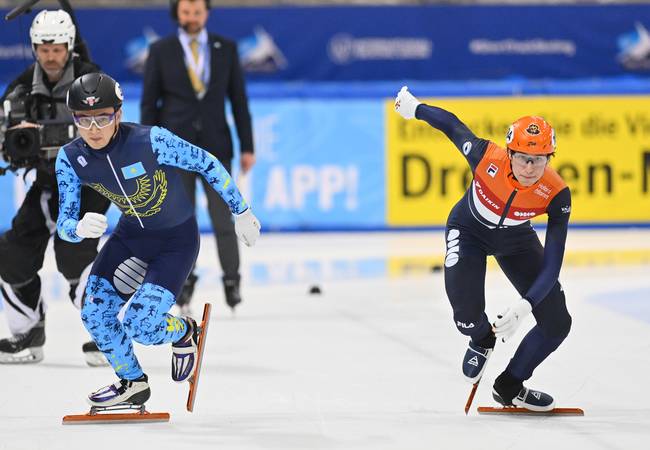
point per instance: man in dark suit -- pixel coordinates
(186, 80)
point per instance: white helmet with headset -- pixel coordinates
(52, 27)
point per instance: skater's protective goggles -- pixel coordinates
(523, 159)
(100, 121)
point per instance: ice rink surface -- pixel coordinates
(371, 363)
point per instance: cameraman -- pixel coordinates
(36, 99)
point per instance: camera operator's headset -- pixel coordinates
(173, 8)
(80, 46)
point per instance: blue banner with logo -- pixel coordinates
(380, 43)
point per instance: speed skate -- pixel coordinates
(130, 412)
(518, 410)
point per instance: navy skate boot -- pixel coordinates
(476, 358)
(509, 391)
(122, 392)
(24, 348)
(184, 352)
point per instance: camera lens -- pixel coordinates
(22, 143)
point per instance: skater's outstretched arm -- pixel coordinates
(174, 151)
(558, 210)
(471, 146)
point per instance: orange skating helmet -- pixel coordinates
(532, 135)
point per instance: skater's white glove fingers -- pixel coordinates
(92, 225)
(92, 217)
(509, 320)
(505, 333)
(406, 103)
(247, 227)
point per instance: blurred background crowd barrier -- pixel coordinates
(332, 154)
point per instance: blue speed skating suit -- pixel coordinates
(155, 244)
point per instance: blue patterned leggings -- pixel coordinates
(149, 267)
(146, 321)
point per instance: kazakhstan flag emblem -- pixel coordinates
(132, 171)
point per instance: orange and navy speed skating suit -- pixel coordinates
(493, 218)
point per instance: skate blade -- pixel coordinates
(470, 398)
(100, 418)
(28, 356)
(194, 379)
(524, 411)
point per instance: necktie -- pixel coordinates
(197, 84)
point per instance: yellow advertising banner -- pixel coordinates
(603, 154)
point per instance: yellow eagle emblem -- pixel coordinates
(147, 199)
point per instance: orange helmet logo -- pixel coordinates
(532, 135)
(532, 129)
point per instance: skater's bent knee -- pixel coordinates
(138, 325)
(552, 315)
(560, 328)
(557, 327)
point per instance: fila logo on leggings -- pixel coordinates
(129, 275)
(451, 258)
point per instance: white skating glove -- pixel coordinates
(93, 225)
(247, 227)
(509, 320)
(405, 103)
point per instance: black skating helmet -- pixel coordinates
(94, 91)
